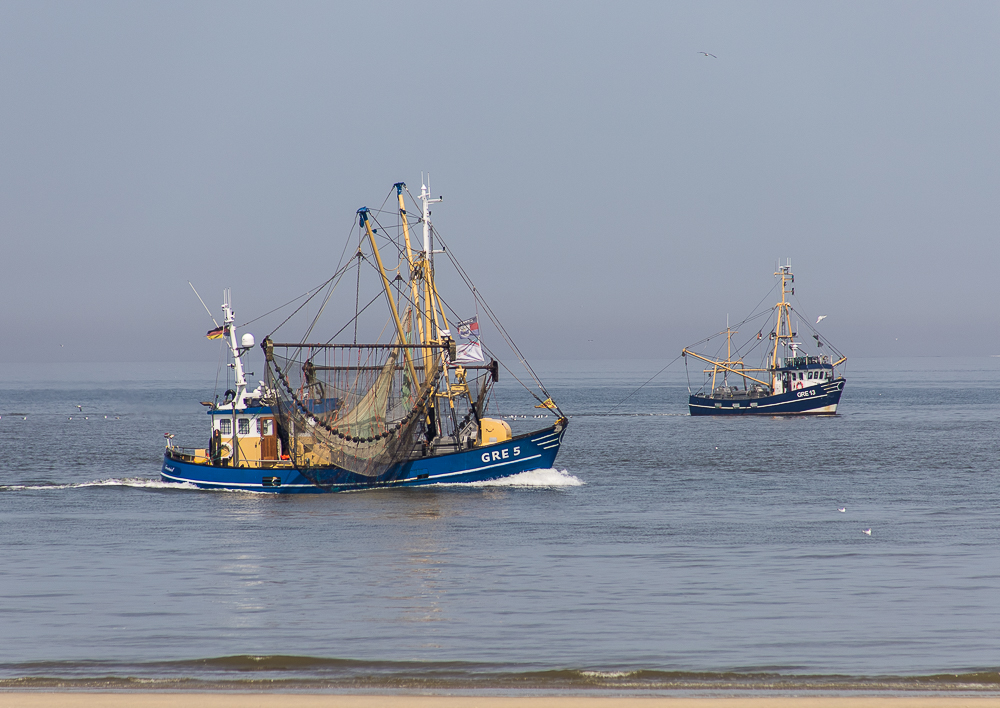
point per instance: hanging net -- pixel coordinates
(355, 407)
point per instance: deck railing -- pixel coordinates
(199, 456)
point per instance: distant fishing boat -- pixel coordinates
(788, 380)
(409, 408)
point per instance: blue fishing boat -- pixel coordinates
(407, 408)
(788, 381)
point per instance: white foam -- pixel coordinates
(532, 478)
(136, 482)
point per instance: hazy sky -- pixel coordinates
(603, 180)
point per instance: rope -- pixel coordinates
(279, 308)
(357, 297)
(338, 273)
(499, 325)
(644, 385)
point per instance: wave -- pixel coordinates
(546, 478)
(134, 482)
(537, 479)
(279, 672)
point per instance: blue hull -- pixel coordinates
(521, 454)
(813, 400)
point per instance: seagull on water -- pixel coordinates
(842, 509)
(820, 319)
(867, 532)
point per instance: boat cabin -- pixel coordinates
(258, 443)
(801, 372)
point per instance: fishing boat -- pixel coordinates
(408, 407)
(788, 381)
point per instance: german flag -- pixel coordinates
(217, 333)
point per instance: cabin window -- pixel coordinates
(810, 375)
(265, 426)
(226, 426)
(244, 426)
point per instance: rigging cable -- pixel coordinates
(644, 385)
(492, 317)
(357, 296)
(279, 307)
(341, 269)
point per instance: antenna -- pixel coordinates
(203, 303)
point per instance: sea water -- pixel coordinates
(663, 551)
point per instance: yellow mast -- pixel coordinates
(433, 306)
(431, 317)
(784, 310)
(363, 211)
(416, 271)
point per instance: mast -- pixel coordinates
(416, 272)
(784, 310)
(387, 286)
(432, 304)
(429, 288)
(229, 321)
(425, 202)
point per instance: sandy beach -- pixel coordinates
(241, 700)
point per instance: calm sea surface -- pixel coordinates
(663, 551)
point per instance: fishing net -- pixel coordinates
(356, 407)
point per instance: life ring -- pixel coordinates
(225, 451)
(797, 386)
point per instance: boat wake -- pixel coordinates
(533, 478)
(134, 482)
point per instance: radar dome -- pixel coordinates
(247, 340)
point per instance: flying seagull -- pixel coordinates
(81, 408)
(708, 55)
(820, 319)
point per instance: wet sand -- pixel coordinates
(274, 700)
